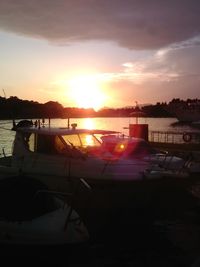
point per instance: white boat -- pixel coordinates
(31, 216)
(58, 155)
(185, 111)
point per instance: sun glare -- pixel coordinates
(86, 92)
(88, 124)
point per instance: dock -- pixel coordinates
(176, 142)
(172, 141)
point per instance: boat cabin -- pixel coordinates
(57, 141)
(77, 143)
(66, 152)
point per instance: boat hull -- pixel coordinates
(185, 112)
(32, 215)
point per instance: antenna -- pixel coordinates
(4, 92)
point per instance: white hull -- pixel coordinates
(48, 229)
(30, 215)
(58, 173)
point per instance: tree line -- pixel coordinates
(15, 108)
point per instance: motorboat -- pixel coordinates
(185, 111)
(30, 214)
(69, 153)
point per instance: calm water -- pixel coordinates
(117, 124)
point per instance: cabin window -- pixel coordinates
(72, 139)
(46, 144)
(61, 147)
(31, 142)
(89, 140)
(28, 140)
(82, 140)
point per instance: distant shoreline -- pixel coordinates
(15, 108)
(80, 117)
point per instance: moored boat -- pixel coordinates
(30, 214)
(60, 155)
(185, 111)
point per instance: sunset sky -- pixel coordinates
(95, 53)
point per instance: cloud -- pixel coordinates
(172, 72)
(177, 61)
(133, 24)
(183, 58)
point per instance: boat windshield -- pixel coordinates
(82, 140)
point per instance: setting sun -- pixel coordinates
(86, 92)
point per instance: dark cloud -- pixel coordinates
(183, 61)
(136, 24)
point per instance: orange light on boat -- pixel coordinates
(122, 146)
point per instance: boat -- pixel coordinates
(31, 215)
(186, 112)
(69, 153)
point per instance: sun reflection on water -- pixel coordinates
(89, 124)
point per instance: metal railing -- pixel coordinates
(174, 137)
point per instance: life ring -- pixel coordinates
(187, 137)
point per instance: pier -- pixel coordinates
(174, 137)
(176, 141)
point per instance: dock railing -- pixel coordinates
(172, 137)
